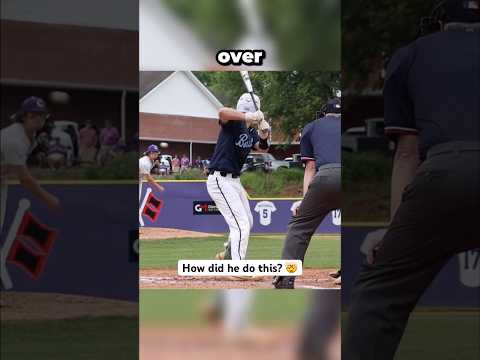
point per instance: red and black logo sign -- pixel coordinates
(205, 208)
(152, 208)
(32, 245)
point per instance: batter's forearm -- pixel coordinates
(405, 165)
(227, 114)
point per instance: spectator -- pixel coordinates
(109, 137)
(164, 166)
(65, 141)
(57, 154)
(205, 164)
(198, 162)
(176, 164)
(88, 143)
(184, 163)
(170, 165)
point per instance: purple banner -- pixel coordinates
(94, 250)
(456, 286)
(187, 206)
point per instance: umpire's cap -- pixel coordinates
(333, 106)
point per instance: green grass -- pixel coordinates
(183, 307)
(323, 252)
(104, 338)
(281, 183)
(440, 335)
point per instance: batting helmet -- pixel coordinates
(245, 103)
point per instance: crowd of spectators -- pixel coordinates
(64, 144)
(174, 165)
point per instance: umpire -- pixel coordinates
(320, 150)
(432, 111)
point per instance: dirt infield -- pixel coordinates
(147, 233)
(49, 306)
(210, 343)
(168, 279)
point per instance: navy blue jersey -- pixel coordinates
(233, 146)
(432, 89)
(321, 141)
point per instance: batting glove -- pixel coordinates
(255, 117)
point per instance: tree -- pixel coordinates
(290, 99)
(372, 30)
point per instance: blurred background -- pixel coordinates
(446, 324)
(261, 324)
(82, 59)
(296, 34)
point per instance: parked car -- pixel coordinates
(263, 161)
(366, 138)
(294, 161)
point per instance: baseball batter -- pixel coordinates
(145, 165)
(17, 141)
(320, 150)
(238, 136)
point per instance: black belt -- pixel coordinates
(222, 173)
(453, 147)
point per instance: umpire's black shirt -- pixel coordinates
(432, 88)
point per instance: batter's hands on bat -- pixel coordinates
(264, 130)
(295, 207)
(254, 118)
(372, 243)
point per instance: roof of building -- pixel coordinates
(150, 79)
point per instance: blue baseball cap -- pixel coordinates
(34, 104)
(152, 148)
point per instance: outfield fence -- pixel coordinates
(186, 205)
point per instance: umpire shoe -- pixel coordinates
(284, 282)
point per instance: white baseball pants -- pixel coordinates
(231, 200)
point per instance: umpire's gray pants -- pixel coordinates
(322, 197)
(437, 218)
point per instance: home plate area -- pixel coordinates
(169, 279)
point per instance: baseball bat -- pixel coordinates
(248, 85)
